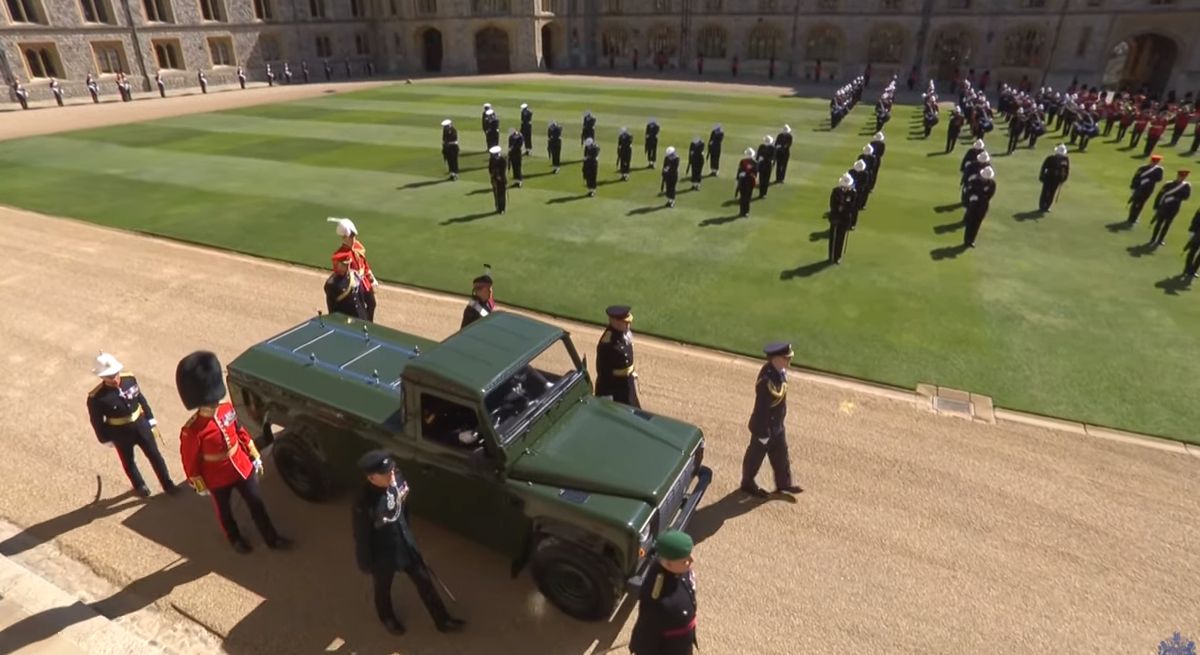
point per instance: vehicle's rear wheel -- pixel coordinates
(303, 470)
(581, 583)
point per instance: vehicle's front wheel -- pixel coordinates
(579, 582)
(303, 470)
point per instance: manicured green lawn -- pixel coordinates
(1054, 315)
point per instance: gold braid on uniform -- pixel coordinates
(658, 585)
(780, 395)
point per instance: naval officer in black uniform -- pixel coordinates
(122, 419)
(616, 376)
(767, 435)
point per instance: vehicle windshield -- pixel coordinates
(542, 379)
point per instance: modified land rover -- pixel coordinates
(498, 433)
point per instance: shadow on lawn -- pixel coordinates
(561, 199)
(1029, 215)
(646, 210)
(1171, 286)
(948, 252)
(421, 185)
(1141, 250)
(719, 220)
(937, 153)
(478, 192)
(1119, 226)
(808, 270)
(947, 228)
(470, 217)
(819, 235)
(942, 209)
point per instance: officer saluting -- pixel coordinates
(343, 291)
(122, 419)
(767, 435)
(616, 377)
(715, 138)
(498, 173)
(450, 147)
(384, 543)
(218, 454)
(666, 622)
(554, 145)
(842, 206)
(1144, 181)
(1055, 171)
(482, 301)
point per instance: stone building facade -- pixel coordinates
(1103, 42)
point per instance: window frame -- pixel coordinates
(264, 10)
(169, 43)
(122, 58)
(48, 60)
(226, 40)
(313, 14)
(98, 6)
(481, 426)
(27, 6)
(362, 44)
(166, 16)
(318, 39)
(425, 7)
(216, 8)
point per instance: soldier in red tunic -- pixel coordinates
(218, 454)
(358, 262)
(1139, 126)
(1157, 127)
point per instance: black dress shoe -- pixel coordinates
(280, 543)
(756, 491)
(172, 489)
(142, 491)
(791, 489)
(394, 626)
(451, 624)
(241, 545)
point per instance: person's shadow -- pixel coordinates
(709, 520)
(947, 228)
(719, 220)
(949, 207)
(1171, 286)
(949, 252)
(1140, 250)
(808, 270)
(47, 530)
(470, 217)
(1034, 215)
(646, 210)
(1119, 226)
(421, 185)
(563, 199)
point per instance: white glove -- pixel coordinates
(110, 444)
(258, 466)
(153, 422)
(202, 493)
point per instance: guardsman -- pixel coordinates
(1157, 128)
(483, 301)
(624, 153)
(343, 290)
(1196, 134)
(161, 84)
(483, 119)
(616, 377)
(883, 113)
(122, 420)
(516, 148)
(1055, 170)
(358, 262)
(1036, 126)
(1145, 180)
(287, 73)
(768, 438)
(1178, 124)
(765, 160)
(241, 76)
(746, 179)
(384, 543)
(589, 128)
(554, 145)
(270, 76)
(218, 454)
(57, 91)
(715, 138)
(954, 128)
(651, 143)
(878, 147)
(666, 622)
(328, 70)
(1167, 204)
(591, 165)
(450, 147)
(862, 179)
(21, 93)
(491, 128)
(1139, 126)
(842, 207)
(980, 189)
(1191, 258)
(1125, 120)
(670, 175)
(498, 174)
(527, 127)
(304, 70)
(783, 153)
(93, 88)
(695, 167)
(203, 79)
(868, 157)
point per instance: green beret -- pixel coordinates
(673, 544)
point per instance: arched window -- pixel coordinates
(1024, 46)
(765, 41)
(824, 43)
(662, 39)
(886, 45)
(614, 42)
(42, 63)
(710, 42)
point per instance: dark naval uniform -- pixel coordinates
(1143, 184)
(498, 172)
(554, 144)
(616, 376)
(527, 129)
(842, 208)
(878, 147)
(979, 197)
(589, 128)
(872, 163)
(343, 295)
(121, 416)
(450, 149)
(624, 153)
(670, 176)
(695, 165)
(516, 149)
(714, 149)
(765, 158)
(666, 623)
(591, 166)
(1191, 260)
(953, 129)
(747, 170)
(862, 179)
(491, 129)
(652, 129)
(783, 154)
(1166, 208)
(1055, 170)
(767, 435)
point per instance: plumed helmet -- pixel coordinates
(1060, 149)
(988, 173)
(345, 226)
(868, 150)
(107, 365)
(199, 380)
(749, 152)
(983, 157)
(860, 166)
(846, 181)
(670, 150)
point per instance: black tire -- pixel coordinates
(581, 583)
(302, 470)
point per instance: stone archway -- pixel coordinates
(952, 51)
(491, 51)
(549, 51)
(431, 50)
(1142, 62)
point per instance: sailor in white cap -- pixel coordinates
(651, 142)
(122, 419)
(843, 205)
(554, 145)
(516, 149)
(783, 153)
(624, 152)
(527, 127)
(765, 158)
(980, 190)
(747, 169)
(670, 175)
(970, 156)
(358, 261)
(589, 128)
(491, 127)
(498, 174)
(981, 160)
(878, 147)
(868, 157)
(1055, 170)
(591, 165)
(450, 147)
(715, 138)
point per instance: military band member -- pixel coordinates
(746, 179)
(122, 419)
(591, 165)
(203, 79)
(93, 88)
(57, 91)
(980, 190)
(616, 377)
(1086, 128)
(483, 301)
(861, 175)
(783, 153)
(358, 262)
(1145, 180)
(385, 544)
(670, 175)
(971, 156)
(1140, 121)
(624, 153)
(1016, 130)
(981, 160)
(241, 76)
(450, 147)
(842, 207)
(765, 160)
(651, 142)
(695, 167)
(527, 127)
(1196, 134)
(878, 147)
(954, 128)
(715, 138)
(161, 84)
(218, 454)
(1055, 170)
(516, 148)
(1191, 259)
(666, 621)
(872, 162)
(491, 128)
(343, 290)
(589, 128)
(1179, 124)
(1167, 204)
(930, 118)
(768, 437)
(498, 174)
(554, 145)
(1157, 128)
(21, 93)
(304, 70)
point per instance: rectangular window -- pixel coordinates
(158, 11)
(316, 8)
(392, 6)
(220, 51)
(490, 7)
(358, 8)
(426, 7)
(42, 59)
(168, 54)
(264, 9)
(26, 11)
(362, 44)
(110, 57)
(212, 10)
(268, 45)
(324, 47)
(96, 11)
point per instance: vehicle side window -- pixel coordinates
(449, 423)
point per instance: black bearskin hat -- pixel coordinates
(199, 380)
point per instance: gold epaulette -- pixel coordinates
(95, 390)
(658, 585)
(606, 337)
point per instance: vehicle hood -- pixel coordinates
(607, 448)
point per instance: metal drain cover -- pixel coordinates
(947, 405)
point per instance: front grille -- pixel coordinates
(673, 500)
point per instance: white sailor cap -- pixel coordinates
(495, 150)
(446, 123)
